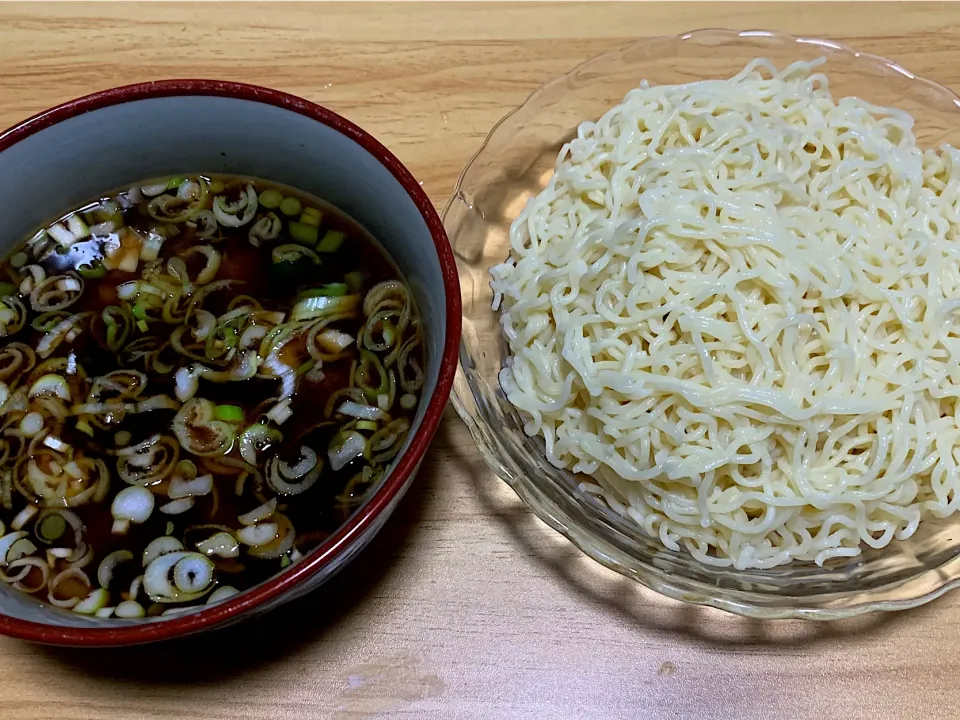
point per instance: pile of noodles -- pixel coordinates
(734, 307)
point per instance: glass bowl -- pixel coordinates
(515, 162)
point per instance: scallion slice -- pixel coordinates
(290, 206)
(331, 242)
(271, 199)
(51, 528)
(311, 216)
(228, 413)
(291, 253)
(91, 271)
(330, 290)
(303, 233)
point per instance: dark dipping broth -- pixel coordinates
(201, 378)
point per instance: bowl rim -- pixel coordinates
(341, 541)
(918, 590)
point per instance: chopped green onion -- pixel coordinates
(329, 290)
(273, 339)
(116, 335)
(291, 253)
(61, 235)
(128, 290)
(228, 413)
(50, 385)
(369, 371)
(257, 438)
(52, 527)
(93, 603)
(311, 216)
(45, 322)
(169, 313)
(139, 311)
(303, 233)
(271, 199)
(315, 307)
(331, 241)
(84, 427)
(354, 280)
(223, 338)
(290, 206)
(92, 272)
(7, 289)
(78, 227)
(106, 211)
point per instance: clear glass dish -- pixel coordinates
(516, 162)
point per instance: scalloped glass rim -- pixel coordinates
(515, 161)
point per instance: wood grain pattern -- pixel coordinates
(465, 606)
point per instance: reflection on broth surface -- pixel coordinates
(200, 379)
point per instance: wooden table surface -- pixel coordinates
(465, 606)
